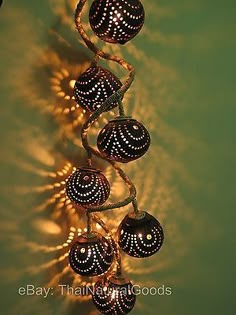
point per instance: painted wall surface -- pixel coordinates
(184, 93)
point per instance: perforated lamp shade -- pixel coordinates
(94, 86)
(87, 187)
(114, 296)
(91, 256)
(123, 140)
(140, 237)
(116, 21)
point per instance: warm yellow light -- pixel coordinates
(113, 295)
(47, 226)
(72, 83)
(98, 226)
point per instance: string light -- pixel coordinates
(123, 139)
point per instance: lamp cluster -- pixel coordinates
(122, 140)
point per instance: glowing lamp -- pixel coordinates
(123, 140)
(87, 187)
(114, 296)
(116, 21)
(140, 236)
(94, 86)
(91, 255)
